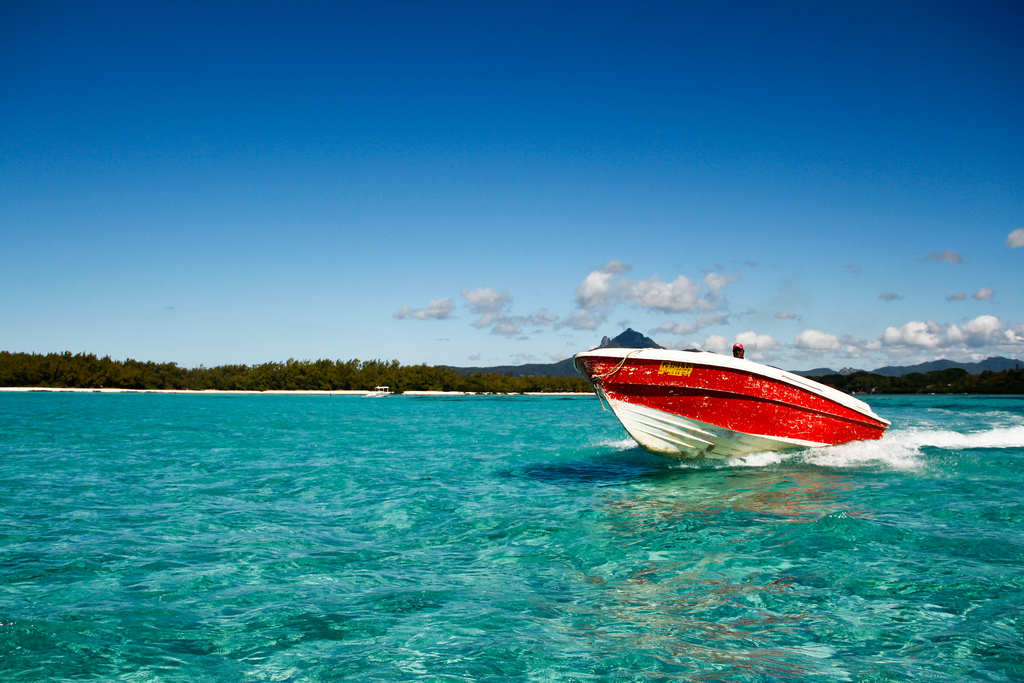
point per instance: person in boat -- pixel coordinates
(737, 350)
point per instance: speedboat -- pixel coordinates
(697, 404)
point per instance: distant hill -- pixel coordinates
(562, 368)
(816, 372)
(994, 364)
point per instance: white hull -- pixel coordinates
(681, 437)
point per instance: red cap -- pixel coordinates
(737, 346)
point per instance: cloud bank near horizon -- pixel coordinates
(609, 288)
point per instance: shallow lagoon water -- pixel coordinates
(156, 537)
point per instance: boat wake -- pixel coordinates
(900, 450)
(998, 437)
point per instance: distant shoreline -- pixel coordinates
(86, 371)
(276, 392)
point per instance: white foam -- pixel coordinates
(998, 437)
(900, 450)
(893, 450)
(619, 444)
(759, 459)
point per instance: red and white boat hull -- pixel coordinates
(691, 404)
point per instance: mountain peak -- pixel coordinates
(630, 339)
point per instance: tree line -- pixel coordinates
(951, 381)
(87, 371)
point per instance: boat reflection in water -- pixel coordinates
(696, 404)
(713, 573)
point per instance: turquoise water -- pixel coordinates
(155, 537)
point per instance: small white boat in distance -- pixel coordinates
(378, 392)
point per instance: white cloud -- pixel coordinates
(505, 328)
(855, 347)
(785, 315)
(655, 294)
(512, 325)
(716, 343)
(486, 300)
(983, 332)
(959, 296)
(984, 294)
(716, 284)
(927, 335)
(700, 323)
(1015, 239)
(605, 287)
(974, 339)
(670, 327)
(947, 256)
(584, 320)
(441, 309)
(597, 289)
(487, 303)
(541, 317)
(754, 345)
(816, 340)
(492, 305)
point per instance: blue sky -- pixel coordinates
(472, 183)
